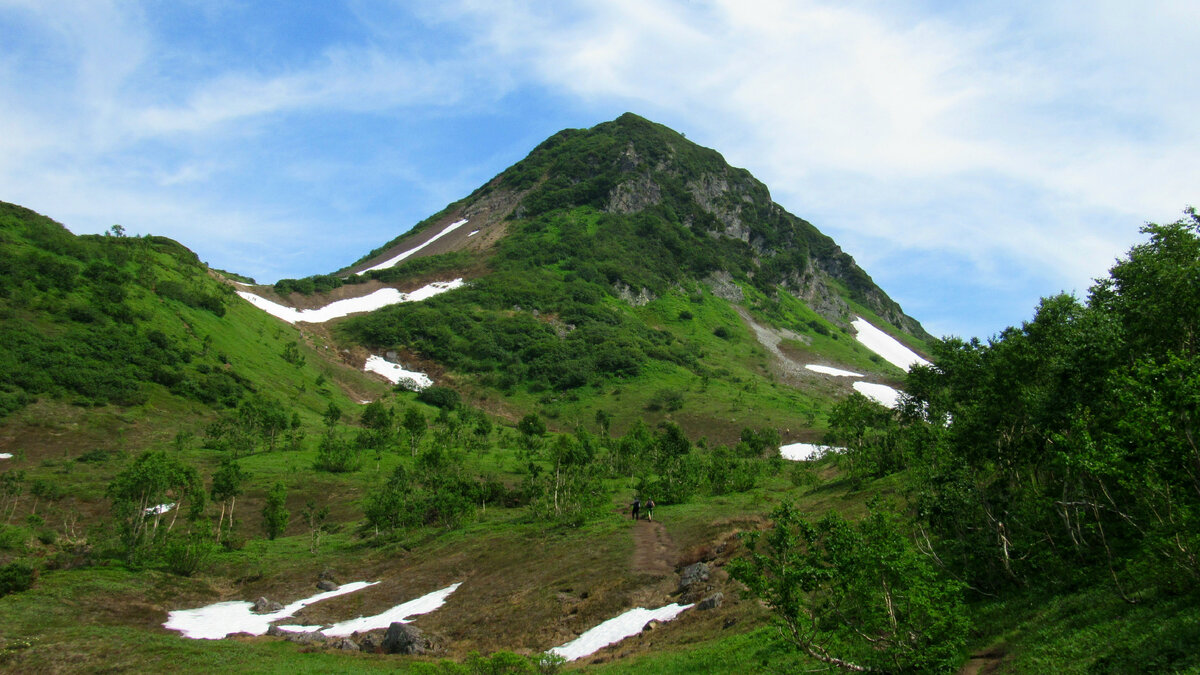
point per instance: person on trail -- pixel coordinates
(637, 506)
(649, 509)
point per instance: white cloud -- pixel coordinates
(1006, 139)
(1042, 135)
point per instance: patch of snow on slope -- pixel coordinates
(219, 620)
(880, 393)
(395, 372)
(473, 233)
(5, 455)
(836, 372)
(391, 263)
(335, 310)
(799, 452)
(160, 509)
(886, 346)
(422, 605)
(297, 628)
(616, 629)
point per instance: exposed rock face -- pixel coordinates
(345, 644)
(634, 195)
(326, 585)
(626, 293)
(711, 602)
(713, 193)
(723, 287)
(811, 286)
(403, 638)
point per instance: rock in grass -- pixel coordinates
(326, 585)
(370, 643)
(712, 602)
(403, 638)
(692, 575)
(265, 606)
(345, 644)
(309, 638)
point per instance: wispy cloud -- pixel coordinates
(1038, 135)
(1010, 149)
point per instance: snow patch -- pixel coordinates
(335, 310)
(395, 372)
(392, 262)
(221, 619)
(616, 629)
(886, 346)
(880, 393)
(5, 455)
(473, 233)
(160, 509)
(402, 612)
(827, 370)
(799, 452)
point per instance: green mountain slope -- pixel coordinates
(625, 256)
(635, 323)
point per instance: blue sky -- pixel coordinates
(973, 157)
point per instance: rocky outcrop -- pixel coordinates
(642, 297)
(404, 638)
(723, 287)
(634, 195)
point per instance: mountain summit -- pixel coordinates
(665, 209)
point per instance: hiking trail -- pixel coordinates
(653, 549)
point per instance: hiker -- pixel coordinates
(637, 506)
(649, 509)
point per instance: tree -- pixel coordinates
(532, 430)
(603, 420)
(154, 485)
(226, 486)
(315, 518)
(275, 514)
(415, 425)
(336, 454)
(867, 431)
(855, 596)
(332, 415)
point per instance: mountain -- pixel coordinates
(670, 210)
(612, 256)
(619, 314)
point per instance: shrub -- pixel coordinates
(16, 577)
(440, 397)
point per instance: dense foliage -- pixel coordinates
(79, 317)
(856, 595)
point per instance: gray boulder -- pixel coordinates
(691, 575)
(345, 644)
(310, 638)
(326, 585)
(265, 606)
(371, 643)
(403, 638)
(711, 602)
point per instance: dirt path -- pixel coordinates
(983, 663)
(653, 549)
